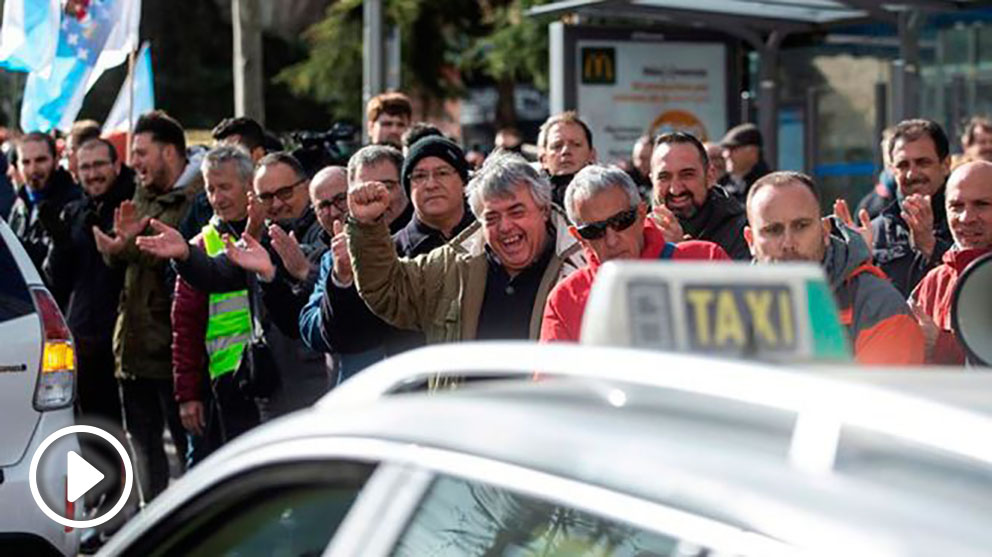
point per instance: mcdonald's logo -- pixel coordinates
(599, 66)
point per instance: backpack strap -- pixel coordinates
(667, 251)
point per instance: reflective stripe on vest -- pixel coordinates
(229, 323)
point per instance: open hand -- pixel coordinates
(918, 214)
(669, 224)
(289, 251)
(251, 256)
(342, 259)
(167, 243)
(843, 214)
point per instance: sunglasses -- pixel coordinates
(618, 222)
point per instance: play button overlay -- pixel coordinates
(80, 476)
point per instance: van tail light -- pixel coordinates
(57, 377)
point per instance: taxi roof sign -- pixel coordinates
(783, 312)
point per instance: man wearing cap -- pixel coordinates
(336, 319)
(744, 159)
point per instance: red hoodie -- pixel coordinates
(935, 293)
(567, 302)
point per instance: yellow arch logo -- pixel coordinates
(599, 66)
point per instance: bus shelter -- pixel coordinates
(764, 24)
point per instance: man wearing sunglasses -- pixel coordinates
(609, 222)
(784, 224)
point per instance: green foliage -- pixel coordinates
(440, 41)
(517, 46)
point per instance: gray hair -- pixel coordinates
(372, 155)
(234, 154)
(500, 176)
(595, 179)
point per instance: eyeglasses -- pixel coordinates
(618, 222)
(441, 173)
(339, 202)
(284, 193)
(95, 165)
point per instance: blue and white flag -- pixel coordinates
(29, 34)
(54, 100)
(144, 95)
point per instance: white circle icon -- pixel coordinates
(33, 476)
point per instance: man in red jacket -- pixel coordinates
(609, 222)
(968, 199)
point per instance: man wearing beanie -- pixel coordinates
(434, 175)
(336, 319)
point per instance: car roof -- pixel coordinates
(28, 271)
(726, 457)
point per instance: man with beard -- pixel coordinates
(686, 204)
(977, 139)
(969, 215)
(911, 234)
(143, 330)
(564, 146)
(389, 115)
(47, 189)
(77, 273)
(784, 224)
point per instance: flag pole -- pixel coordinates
(130, 104)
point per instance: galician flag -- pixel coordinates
(29, 34)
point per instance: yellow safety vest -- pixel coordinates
(229, 324)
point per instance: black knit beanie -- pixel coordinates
(434, 146)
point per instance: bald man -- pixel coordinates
(968, 200)
(329, 197)
(784, 224)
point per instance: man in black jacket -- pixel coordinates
(742, 151)
(77, 273)
(686, 204)
(39, 203)
(911, 235)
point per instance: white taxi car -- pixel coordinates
(583, 450)
(37, 388)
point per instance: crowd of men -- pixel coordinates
(210, 291)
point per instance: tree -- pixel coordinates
(440, 42)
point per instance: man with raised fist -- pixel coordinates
(490, 282)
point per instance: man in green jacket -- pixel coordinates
(143, 332)
(490, 281)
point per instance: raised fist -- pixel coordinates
(368, 202)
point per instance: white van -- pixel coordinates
(37, 388)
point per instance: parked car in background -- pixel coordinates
(37, 388)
